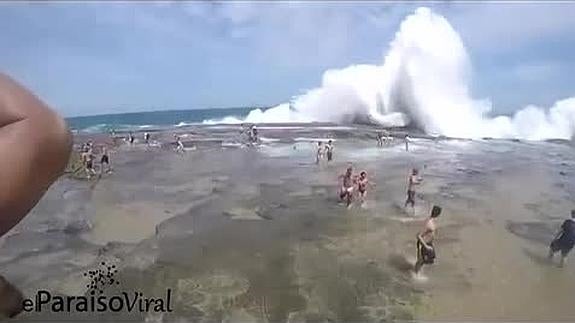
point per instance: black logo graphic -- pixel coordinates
(100, 278)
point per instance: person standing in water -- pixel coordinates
(407, 140)
(88, 161)
(564, 239)
(33, 138)
(105, 160)
(347, 186)
(362, 185)
(424, 245)
(413, 180)
(387, 138)
(329, 150)
(254, 134)
(319, 153)
(179, 145)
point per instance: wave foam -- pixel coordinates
(424, 81)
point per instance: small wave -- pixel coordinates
(99, 128)
(264, 139)
(280, 128)
(310, 139)
(231, 144)
(334, 128)
(225, 120)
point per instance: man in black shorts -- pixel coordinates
(425, 250)
(329, 150)
(413, 181)
(105, 160)
(564, 239)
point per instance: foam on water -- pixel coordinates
(423, 81)
(315, 140)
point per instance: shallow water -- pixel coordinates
(257, 234)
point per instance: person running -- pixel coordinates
(179, 145)
(147, 138)
(105, 159)
(319, 152)
(131, 138)
(35, 138)
(254, 134)
(413, 180)
(387, 138)
(564, 239)
(88, 161)
(347, 186)
(329, 150)
(380, 138)
(424, 245)
(362, 185)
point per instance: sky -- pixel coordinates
(111, 57)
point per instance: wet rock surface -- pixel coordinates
(258, 233)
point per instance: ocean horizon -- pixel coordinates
(133, 121)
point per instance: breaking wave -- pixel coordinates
(423, 82)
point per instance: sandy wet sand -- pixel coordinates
(257, 234)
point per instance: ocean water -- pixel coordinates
(150, 120)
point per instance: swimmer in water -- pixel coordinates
(413, 180)
(564, 239)
(425, 250)
(319, 153)
(329, 150)
(35, 138)
(347, 186)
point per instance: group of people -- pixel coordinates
(324, 151)
(131, 139)
(383, 138)
(351, 184)
(251, 132)
(88, 157)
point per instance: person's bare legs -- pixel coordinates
(349, 197)
(362, 196)
(418, 265)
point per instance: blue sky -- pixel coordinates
(103, 57)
